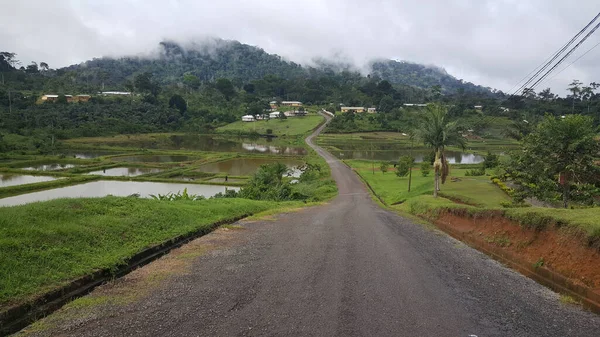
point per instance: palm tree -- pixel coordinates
(437, 133)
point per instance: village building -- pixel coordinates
(371, 110)
(49, 98)
(275, 114)
(115, 93)
(353, 109)
(248, 118)
(82, 98)
(291, 103)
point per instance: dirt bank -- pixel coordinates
(560, 250)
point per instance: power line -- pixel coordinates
(557, 54)
(570, 64)
(567, 55)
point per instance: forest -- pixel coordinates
(195, 89)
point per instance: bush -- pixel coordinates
(404, 165)
(425, 168)
(490, 160)
(503, 186)
(475, 172)
(269, 131)
(384, 167)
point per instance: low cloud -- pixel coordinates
(492, 43)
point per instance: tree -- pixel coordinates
(559, 154)
(490, 160)
(191, 81)
(32, 68)
(404, 165)
(575, 89)
(143, 82)
(249, 88)
(437, 133)
(179, 103)
(425, 168)
(8, 61)
(384, 167)
(44, 66)
(225, 87)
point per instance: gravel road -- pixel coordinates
(347, 268)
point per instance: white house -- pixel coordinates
(122, 93)
(248, 118)
(274, 114)
(371, 110)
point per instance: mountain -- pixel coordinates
(242, 63)
(407, 73)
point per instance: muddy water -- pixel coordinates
(125, 171)
(17, 179)
(246, 166)
(153, 159)
(116, 188)
(49, 167)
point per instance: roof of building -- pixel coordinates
(116, 93)
(84, 96)
(53, 96)
(353, 107)
(283, 102)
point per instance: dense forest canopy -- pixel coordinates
(199, 88)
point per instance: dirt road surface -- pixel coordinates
(347, 268)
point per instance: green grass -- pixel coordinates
(45, 245)
(471, 190)
(292, 126)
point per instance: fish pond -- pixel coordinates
(247, 166)
(116, 188)
(18, 179)
(125, 171)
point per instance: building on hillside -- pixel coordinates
(291, 103)
(69, 98)
(49, 98)
(353, 109)
(504, 109)
(415, 104)
(478, 107)
(273, 104)
(275, 114)
(82, 98)
(371, 110)
(115, 93)
(261, 117)
(248, 118)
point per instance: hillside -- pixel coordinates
(242, 63)
(407, 73)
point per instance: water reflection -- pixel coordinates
(17, 179)
(116, 188)
(295, 151)
(453, 157)
(153, 159)
(125, 171)
(247, 166)
(49, 167)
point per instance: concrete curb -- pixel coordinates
(20, 316)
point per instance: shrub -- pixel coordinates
(384, 167)
(490, 160)
(404, 165)
(269, 131)
(425, 168)
(475, 172)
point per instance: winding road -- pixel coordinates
(347, 268)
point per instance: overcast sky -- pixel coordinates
(489, 42)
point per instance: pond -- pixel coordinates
(88, 154)
(214, 143)
(125, 171)
(17, 179)
(49, 167)
(454, 157)
(153, 159)
(116, 188)
(247, 166)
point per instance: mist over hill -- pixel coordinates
(241, 63)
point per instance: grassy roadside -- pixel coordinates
(473, 196)
(45, 245)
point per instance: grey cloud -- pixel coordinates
(492, 43)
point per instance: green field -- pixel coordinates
(45, 245)
(476, 194)
(292, 126)
(472, 190)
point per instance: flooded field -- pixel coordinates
(17, 179)
(49, 167)
(153, 159)
(246, 166)
(454, 157)
(116, 188)
(125, 171)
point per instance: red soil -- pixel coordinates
(561, 251)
